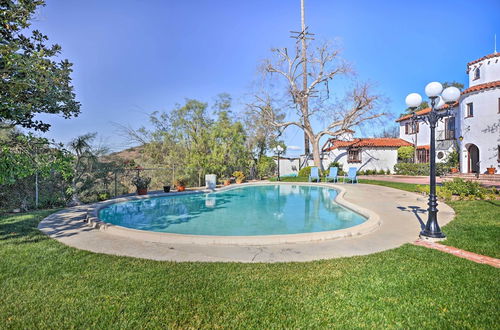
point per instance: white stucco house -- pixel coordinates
(474, 127)
(473, 130)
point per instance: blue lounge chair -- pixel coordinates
(314, 174)
(352, 175)
(332, 176)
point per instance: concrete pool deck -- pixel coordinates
(401, 216)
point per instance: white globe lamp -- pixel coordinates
(433, 89)
(451, 94)
(439, 103)
(413, 100)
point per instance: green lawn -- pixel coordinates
(44, 284)
(397, 185)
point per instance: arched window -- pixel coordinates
(477, 73)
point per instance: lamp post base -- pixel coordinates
(431, 237)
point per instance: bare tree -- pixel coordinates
(357, 106)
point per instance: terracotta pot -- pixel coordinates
(142, 191)
(227, 182)
(181, 188)
(454, 170)
(239, 181)
(491, 170)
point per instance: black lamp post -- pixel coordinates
(278, 150)
(449, 96)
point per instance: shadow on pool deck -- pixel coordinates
(416, 210)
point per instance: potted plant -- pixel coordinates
(491, 169)
(240, 177)
(166, 188)
(141, 183)
(180, 183)
(453, 162)
(226, 181)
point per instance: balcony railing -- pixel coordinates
(445, 135)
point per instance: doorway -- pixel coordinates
(473, 155)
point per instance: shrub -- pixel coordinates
(465, 188)
(266, 166)
(141, 182)
(367, 172)
(305, 171)
(406, 153)
(411, 169)
(440, 192)
(381, 172)
(104, 195)
(240, 177)
(453, 159)
(388, 172)
(180, 182)
(443, 168)
(336, 164)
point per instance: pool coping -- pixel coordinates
(371, 224)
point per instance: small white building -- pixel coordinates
(364, 153)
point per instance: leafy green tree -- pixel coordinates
(29, 164)
(192, 143)
(266, 166)
(406, 153)
(458, 85)
(31, 80)
(228, 152)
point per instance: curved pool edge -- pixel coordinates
(372, 223)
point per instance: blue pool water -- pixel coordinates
(243, 211)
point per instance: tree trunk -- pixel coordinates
(317, 154)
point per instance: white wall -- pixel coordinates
(286, 165)
(483, 129)
(371, 159)
(489, 69)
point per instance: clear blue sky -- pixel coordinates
(133, 57)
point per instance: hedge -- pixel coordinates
(420, 169)
(305, 171)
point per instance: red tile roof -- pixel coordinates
(422, 112)
(419, 112)
(482, 58)
(480, 87)
(368, 142)
(425, 147)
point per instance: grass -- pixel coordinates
(476, 227)
(397, 185)
(45, 284)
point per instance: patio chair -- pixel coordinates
(332, 176)
(314, 174)
(351, 175)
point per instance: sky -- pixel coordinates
(133, 57)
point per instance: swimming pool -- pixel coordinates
(253, 210)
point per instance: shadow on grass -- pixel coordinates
(25, 229)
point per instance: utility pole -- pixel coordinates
(305, 99)
(303, 36)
